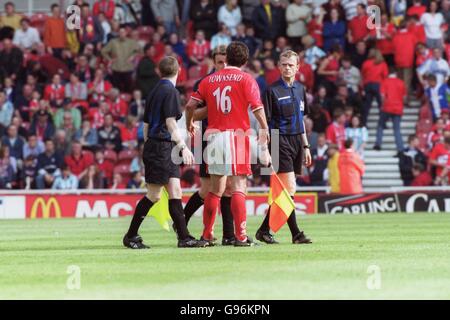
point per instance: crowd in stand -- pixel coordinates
(72, 101)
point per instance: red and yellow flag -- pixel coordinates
(281, 203)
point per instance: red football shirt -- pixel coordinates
(393, 89)
(228, 93)
(441, 155)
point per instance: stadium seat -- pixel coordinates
(111, 155)
(125, 157)
(146, 33)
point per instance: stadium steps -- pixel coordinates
(382, 169)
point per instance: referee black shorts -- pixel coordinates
(158, 164)
(290, 154)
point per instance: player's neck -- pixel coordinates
(289, 81)
(173, 80)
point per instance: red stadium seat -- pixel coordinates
(146, 33)
(111, 155)
(125, 157)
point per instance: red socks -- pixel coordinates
(239, 215)
(211, 206)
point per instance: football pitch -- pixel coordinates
(391, 256)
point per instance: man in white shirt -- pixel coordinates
(434, 65)
(26, 37)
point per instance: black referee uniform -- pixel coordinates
(285, 107)
(163, 102)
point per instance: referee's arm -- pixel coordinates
(306, 146)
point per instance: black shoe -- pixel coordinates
(211, 243)
(228, 241)
(248, 243)
(300, 238)
(377, 148)
(134, 242)
(192, 243)
(265, 237)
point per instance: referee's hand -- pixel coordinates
(188, 157)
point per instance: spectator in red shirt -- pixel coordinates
(335, 132)
(315, 26)
(417, 9)
(128, 133)
(118, 106)
(305, 73)
(422, 178)
(393, 94)
(98, 114)
(357, 27)
(105, 6)
(271, 73)
(55, 92)
(198, 50)
(351, 169)
(404, 47)
(105, 166)
(78, 161)
(384, 42)
(440, 159)
(422, 54)
(374, 70)
(417, 29)
(99, 87)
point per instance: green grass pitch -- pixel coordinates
(411, 253)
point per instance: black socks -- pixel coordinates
(177, 214)
(265, 225)
(292, 223)
(227, 217)
(195, 202)
(140, 213)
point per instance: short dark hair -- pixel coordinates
(9, 3)
(53, 6)
(412, 137)
(219, 50)
(337, 113)
(237, 54)
(348, 143)
(168, 67)
(419, 167)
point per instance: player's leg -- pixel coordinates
(238, 208)
(132, 239)
(211, 206)
(177, 214)
(197, 199)
(227, 217)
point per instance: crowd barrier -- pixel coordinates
(33, 204)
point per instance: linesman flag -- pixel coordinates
(281, 203)
(160, 210)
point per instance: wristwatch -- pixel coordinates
(307, 146)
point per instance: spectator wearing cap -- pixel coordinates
(374, 70)
(437, 96)
(393, 95)
(351, 169)
(10, 19)
(166, 13)
(204, 17)
(65, 181)
(436, 66)
(6, 110)
(230, 15)
(121, 52)
(334, 31)
(48, 166)
(269, 20)
(298, 15)
(404, 48)
(26, 37)
(42, 126)
(432, 21)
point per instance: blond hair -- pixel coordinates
(289, 54)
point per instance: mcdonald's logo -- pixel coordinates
(45, 208)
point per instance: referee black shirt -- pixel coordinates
(162, 102)
(285, 107)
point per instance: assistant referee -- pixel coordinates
(285, 105)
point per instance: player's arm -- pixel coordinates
(171, 123)
(200, 114)
(145, 130)
(304, 137)
(191, 107)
